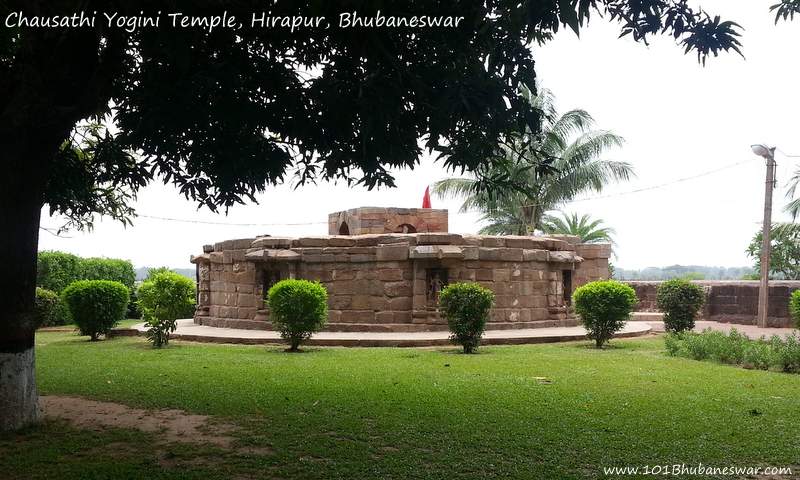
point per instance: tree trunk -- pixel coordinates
(20, 209)
(55, 80)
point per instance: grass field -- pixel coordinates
(542, 411)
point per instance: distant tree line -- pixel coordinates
(691, 272)
(143, 272)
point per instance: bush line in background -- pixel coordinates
(734, 348)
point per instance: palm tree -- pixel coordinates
(573, 149)
(793, 207)
(588, 230)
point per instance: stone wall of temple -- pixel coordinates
(391, 282)
(366, 220)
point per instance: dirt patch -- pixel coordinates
(172, 425)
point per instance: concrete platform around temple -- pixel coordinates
(188, 330)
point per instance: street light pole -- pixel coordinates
(763, 290)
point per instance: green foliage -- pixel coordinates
(588, 230)
(56, 270)
(571, 149)
(785, 10)
(784, 259)
(153, 271)
(794, 307)
(680, 300)
(466, 307)
(96, 306)
(604, 307)
(164, 298)
(113, 269)
(781, 353)
(134, 312)
(92, 174)
(298, 309)
(50, 310)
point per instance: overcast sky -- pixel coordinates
(679, 120)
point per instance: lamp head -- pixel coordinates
(763, 151)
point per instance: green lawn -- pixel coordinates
(411, 413)
(127, 323)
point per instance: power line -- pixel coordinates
(665, 184)
(786, 154)
(229, 224)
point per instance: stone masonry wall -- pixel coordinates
(730, 301)
(388, 282)
(366, 220)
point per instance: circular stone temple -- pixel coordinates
(384, 268)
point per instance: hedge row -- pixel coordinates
(56, 270)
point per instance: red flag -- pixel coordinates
(426, 199)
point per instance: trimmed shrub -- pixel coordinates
(680, 300)
(46, 301)
(163, 299)
(794, 307)
(604, 307)
(96, 306)
(466, 307)
(50, 310)
(298, 309)
(56, 270)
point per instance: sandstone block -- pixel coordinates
(436, 251)
(436, 238)
(247, 300)
(400, 303)
(246, 313)
(519, 241)
(470, 252)
(537, 255)
(272, 242)
(340, 302)
(358, 316)
(310, 242)
(484, 275)
(384, 317)
(361, 302)
(341, 241)
(392, 252)
(390, 274)
(492, 241)
(397, 289)
(501, 275)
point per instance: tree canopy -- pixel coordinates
(784, 257)
(226, 112)
(570, 149)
